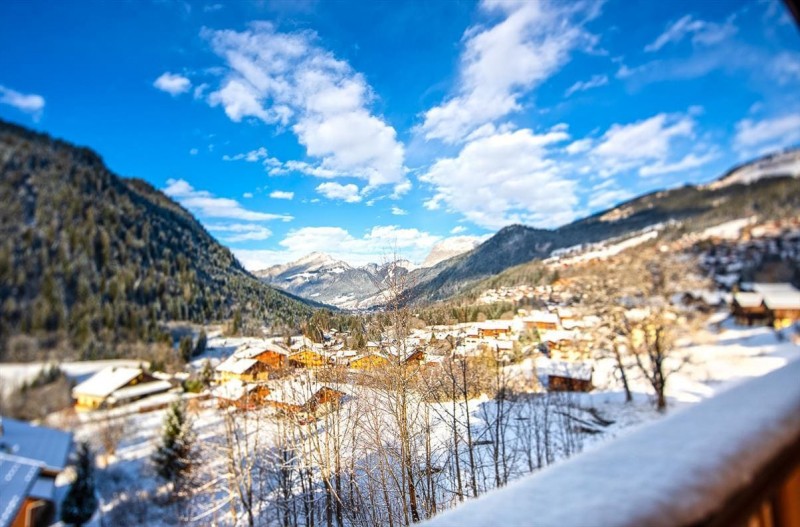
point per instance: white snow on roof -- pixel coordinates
(561, 368)
(236, 365)
(107, 381)
(672, 472)
(495, 325)
(747, 299)
(780, 287)
(782, 299)
(233, 390)
(542, 316)
(140, 390)
(558, 335)
(254, 349)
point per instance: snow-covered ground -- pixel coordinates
(720, 357)
(13, 375)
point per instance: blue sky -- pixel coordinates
(364, 128)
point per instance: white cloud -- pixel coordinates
(579, 146)
(505, 178)
(252, 156)
(458, 229)
(538, 35)
(595, 82)
(688, 162)
(173, 83)
(281, 194)
(397, 211)
(608, 197)
(702, 32)
(287, 79)
(247, 195)
(29, 103)
(242, 232)
(348, 193)
(624, 147)
(771, 133)
(207, 205)
(378, 244)
(193, 152)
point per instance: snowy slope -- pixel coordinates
(775, 165)
(449, 248)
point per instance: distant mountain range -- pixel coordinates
(768, 187)
(89, 259)
(322, 278)
(765, 186)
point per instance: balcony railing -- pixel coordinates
(733, 460)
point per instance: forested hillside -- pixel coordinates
(88, 259)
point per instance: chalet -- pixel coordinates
(541, 321)
(244, 396)
(302, 399)
(244, 370)
(368, 361)
(563, 376)
(494, 328)
(272, 355)
(31, 457)
(308, 358)
(116, 385)
(782, 303)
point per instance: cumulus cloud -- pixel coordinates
(688, 162)
(241, 232)
(608, 197)
(701, 32)
(29, 103)
(205, 204)
(766, 134)
(287, 79)
(538, 35)
(397, 211)
(348, 193)
(252, 156)
(376, 245)
(595, 82)
(281, 194)
(505, 178)
(173, 83)
(458, 229)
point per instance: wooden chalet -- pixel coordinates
(242, 395)
(245, 370)
(774, 304)
(116, 385)
(270, 354)
(31, 457)
(494, 328)
(541, 321)
(369, 361)
(563, 376)
(302, 399)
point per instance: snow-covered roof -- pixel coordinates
(17, 477)
(233, 390)
(783, 299)
(570, 370)
(495, 325)
(107, 381)
(140, 390)
(254, 349)
(780, 287)
(675, 471)
(45, 445)
(236, 365)
(747, 299)
(544, 317)
(558, 335)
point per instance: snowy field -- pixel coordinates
(720, 357)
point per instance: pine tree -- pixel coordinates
(186, 348)
(202, 342)
(173, 458)
(81, 501)
(207, 373)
